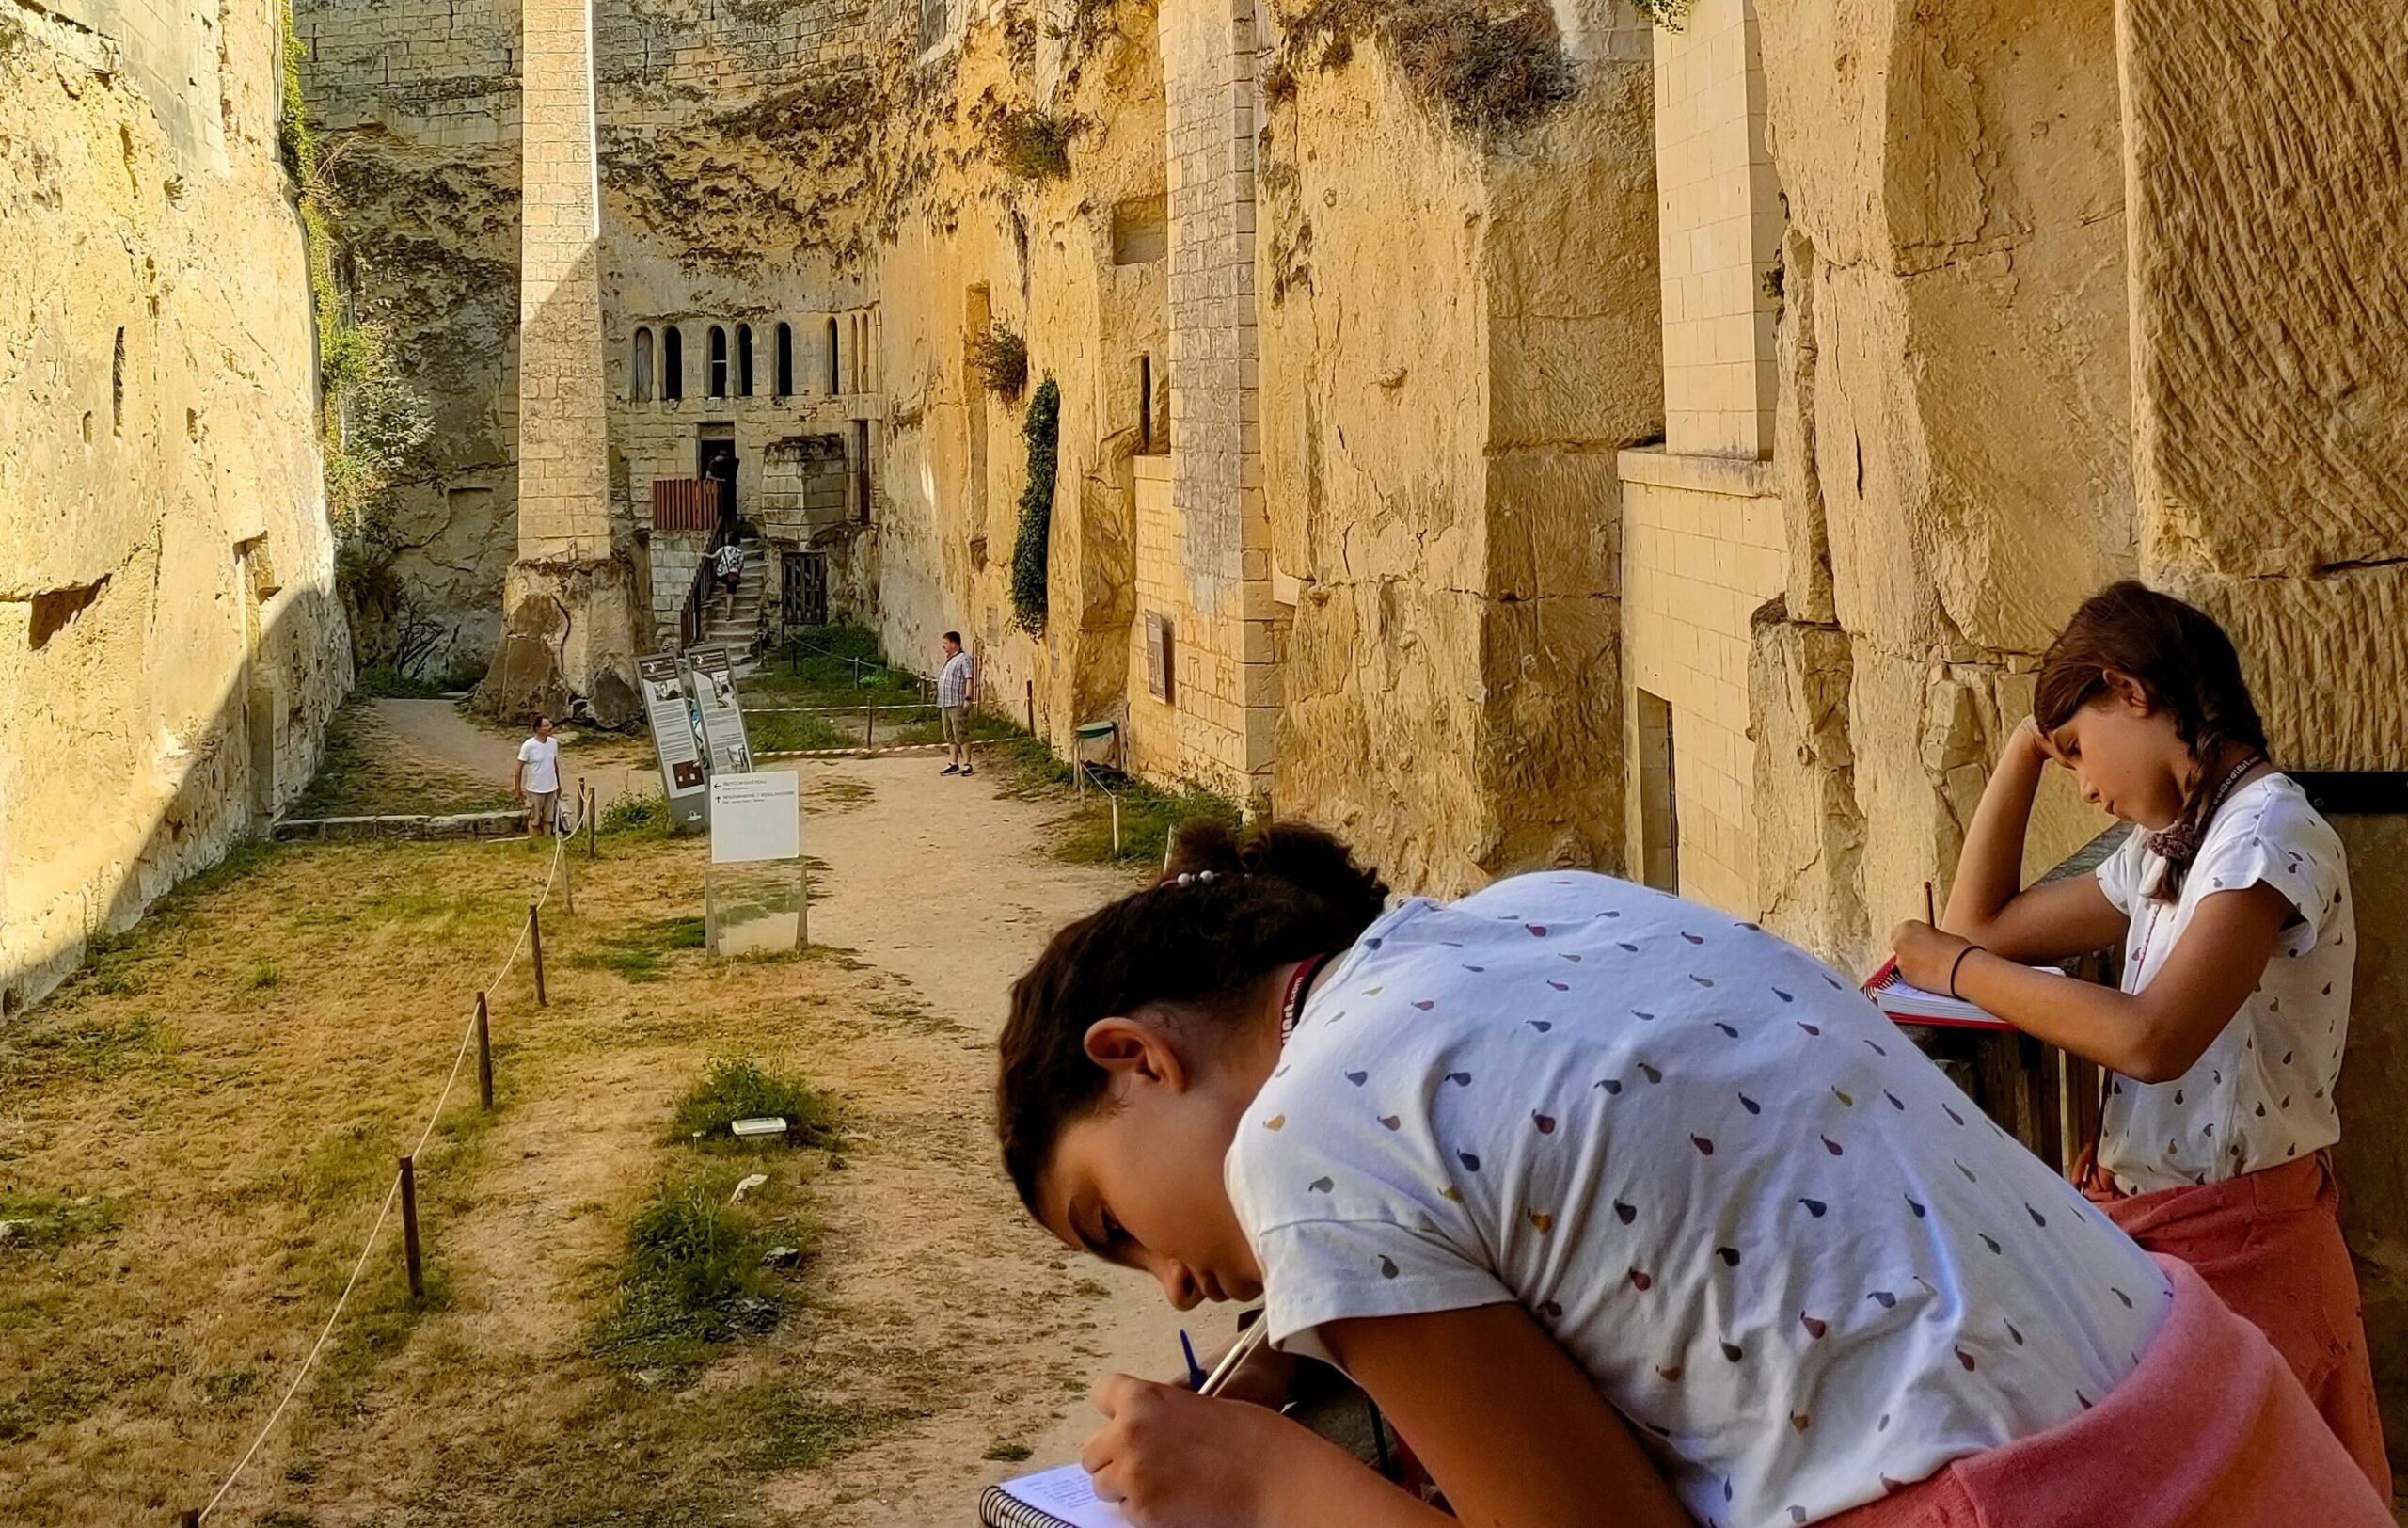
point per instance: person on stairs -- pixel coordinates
(728, 568)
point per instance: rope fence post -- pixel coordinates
(189, 1517)
(409, 1230)
(594, 823)
(535, 942)
(568, 874)
(1032, 707)
(869, 728)
(484, 1055)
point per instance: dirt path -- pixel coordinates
(436, 730)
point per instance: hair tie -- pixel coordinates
(1197, 877)
(2180, 844)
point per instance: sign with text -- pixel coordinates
(725, 745)
(676, 737)
(756, 817)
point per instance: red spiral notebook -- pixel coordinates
(1907, 1003)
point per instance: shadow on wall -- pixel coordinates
(113, 803)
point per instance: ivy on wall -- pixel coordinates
(1042, 431)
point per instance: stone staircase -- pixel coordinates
(740, 631)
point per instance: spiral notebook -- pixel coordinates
(1061, 1497)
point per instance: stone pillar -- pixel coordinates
(1227, 664)
(570, 617)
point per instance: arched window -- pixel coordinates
(719, 362)
(744, 360)
(673, 364)
(641, 388)
(785, 358)
(836, 378)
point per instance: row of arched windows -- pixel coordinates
(724, 376)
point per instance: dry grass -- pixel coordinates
(196, 1152)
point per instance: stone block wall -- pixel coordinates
(170, 645)
(1702, 552)
(1218, 573)
(1720, 222)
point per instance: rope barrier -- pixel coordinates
(384, 1210)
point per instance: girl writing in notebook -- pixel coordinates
(1621, 1210)
(2231, 900)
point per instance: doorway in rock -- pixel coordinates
(715, 461)
(803, 587)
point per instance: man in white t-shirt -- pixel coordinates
(537, 783)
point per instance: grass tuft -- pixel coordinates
(694, 1278)
(641, 815)
(737, 1089)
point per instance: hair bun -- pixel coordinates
(1303, 857)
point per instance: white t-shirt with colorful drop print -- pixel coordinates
(1775, 1237)
(2261, 1094)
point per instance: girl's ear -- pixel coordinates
(1133, 1053)
(2128, 695)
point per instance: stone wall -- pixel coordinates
(416, 105)
(170, 641)
(1953, 423)
(1458, 333)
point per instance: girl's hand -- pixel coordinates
(1172, 1458)
(1925, 955)
(2027, 738)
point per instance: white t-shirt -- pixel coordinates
(542, 756)
(2262, 1092)
(1774, 1236)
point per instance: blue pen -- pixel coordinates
(1194, 1370)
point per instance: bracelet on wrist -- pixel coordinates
(1952, 970)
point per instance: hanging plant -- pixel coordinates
(1042, 431)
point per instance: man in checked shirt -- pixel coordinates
(957, 689)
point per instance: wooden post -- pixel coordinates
(869, 728)
(484, 1055)
(409, 1230)
(568, 876)
(1032, 707)
(594, 823)
(536, 939)
(190, 1517)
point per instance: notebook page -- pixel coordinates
(1068, 1494)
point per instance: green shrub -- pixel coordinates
(643, 814)
(1001, 359)
(1030, 551)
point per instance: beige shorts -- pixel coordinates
(956, 718)
(543, 806)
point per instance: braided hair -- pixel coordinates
(2186, 665)
(1228, 908)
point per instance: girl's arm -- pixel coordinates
(1507, 1424)
(1987, 905)
(2154, 1035)
(1511, 1428)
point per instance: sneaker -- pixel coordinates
(967, 770)
(950, 769)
